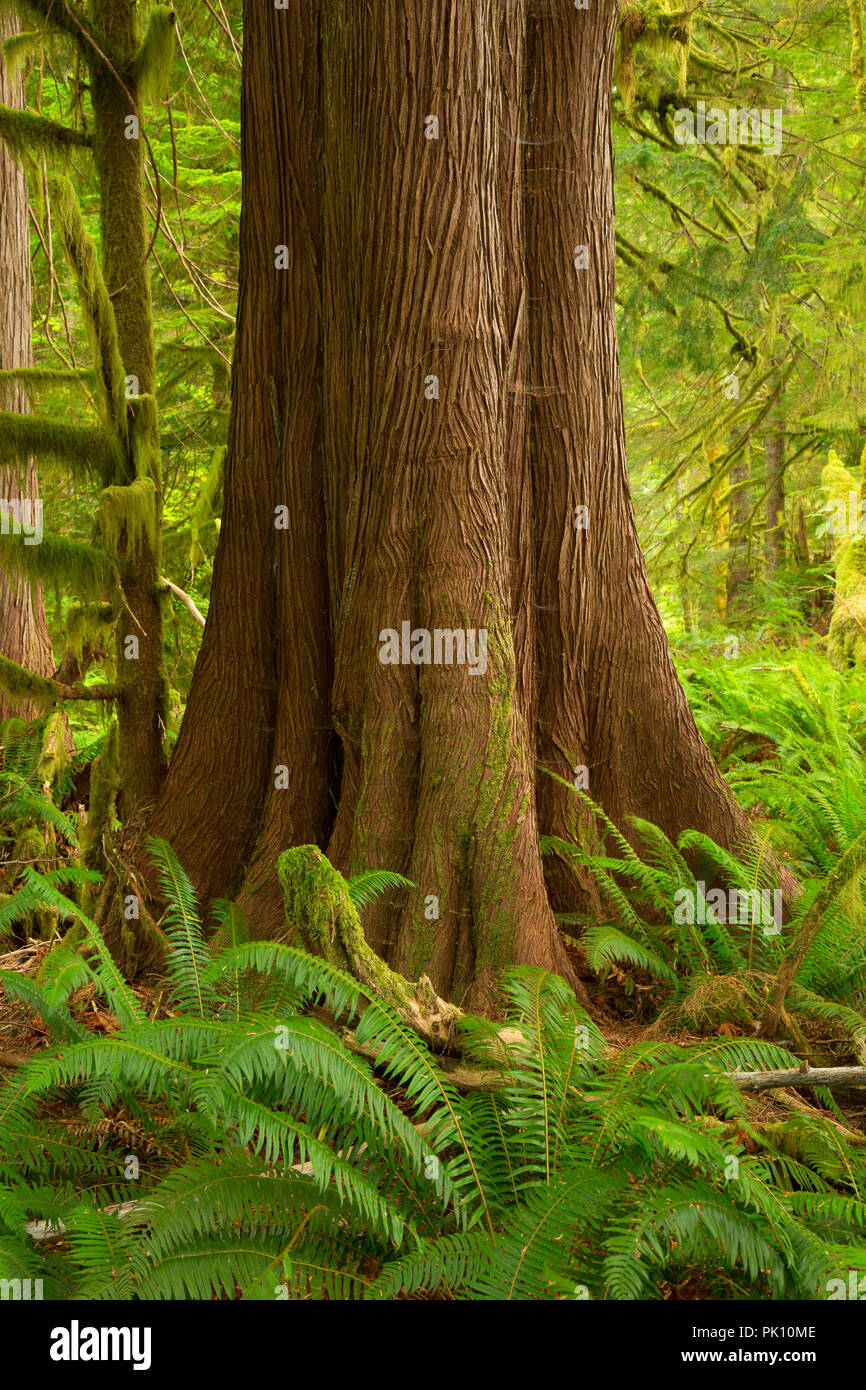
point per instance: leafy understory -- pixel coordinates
(232, 1145)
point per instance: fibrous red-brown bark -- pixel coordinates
(608, 697)
(250, 773)
(418, 439)
(23, 630)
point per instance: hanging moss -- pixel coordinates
(88, 624)
(728, 218)
(43, 378)
(155, 58)
(128, 516)
(44, 14)
(18, 49)
(846, 639)
(21, 684)
(34, 137)
(653, 25)
(84, 568)
(144, 434)
(96, 307)
(855, 15)
(85, 448)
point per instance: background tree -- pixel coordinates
(23, 629)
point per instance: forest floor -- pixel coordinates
(616, 1012)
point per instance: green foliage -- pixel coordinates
(706, 924)
(275, 1161)
(372, 884)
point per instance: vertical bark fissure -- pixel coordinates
(23, 629)
(223, 764)
(607, 685)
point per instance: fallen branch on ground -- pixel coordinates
(854, 1077)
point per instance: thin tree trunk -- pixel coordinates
(774, 502)
(739, 575)
(23, 629)
(142, 710)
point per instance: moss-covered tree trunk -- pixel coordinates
(118, 151)
(23, 630)
(774, 488)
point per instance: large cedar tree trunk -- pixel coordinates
(23, 631)
(437, 275)
(438, 779)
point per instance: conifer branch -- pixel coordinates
(58, 15)
(86, 448)
(28, 134)
(185, 599)
(19, 683)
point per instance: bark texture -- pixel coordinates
(439, 780)
(250, 772)
(739, 512)
(608, 694)
(23, 631)
(774, 503)
(452, 271)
